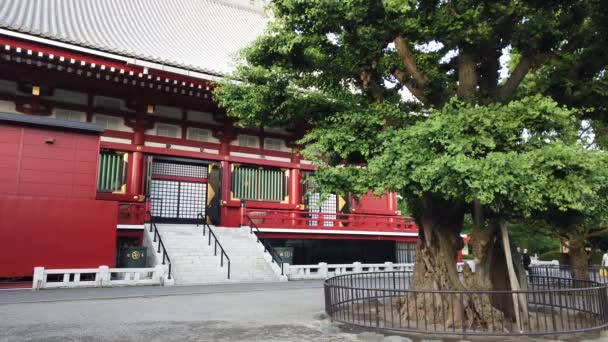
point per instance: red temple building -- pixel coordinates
(106, 113)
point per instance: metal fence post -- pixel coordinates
(377, 300)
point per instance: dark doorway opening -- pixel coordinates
(307, 252)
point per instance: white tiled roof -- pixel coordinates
(200, 35)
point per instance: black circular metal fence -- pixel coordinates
(595, 273)
(385, 301)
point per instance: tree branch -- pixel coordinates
(488, 74)
(417, 92)
(405, 54)
(369, 83)
(604, 231)
(584, 131)
(521, 70)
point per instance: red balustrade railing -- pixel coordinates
(131, 213)
(264, 218)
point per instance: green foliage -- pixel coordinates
(518, 158)
(553, 255)
(595, 258)
(336, 69)
(536, 240)
(403, 208)
(468, 257)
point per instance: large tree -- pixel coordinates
(408, 96)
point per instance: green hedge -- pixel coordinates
(551, 255)
(596, 259)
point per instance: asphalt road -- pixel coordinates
(235, 312)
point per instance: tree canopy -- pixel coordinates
(340, 69)
(418, 97)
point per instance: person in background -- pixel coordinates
(526, 260)
(604, 268)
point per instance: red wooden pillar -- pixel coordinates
(296, 179)
(135, 187)
(392, 206)
(225, 140)
(295, 193)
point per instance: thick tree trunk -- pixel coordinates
(578, 257)
(482, 241)
(435, 265)
(438, 244)
(489, 265)
(467, 75)
(435, 269)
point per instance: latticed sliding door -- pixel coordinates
(314, 203)
(328, 207)
(178, 190)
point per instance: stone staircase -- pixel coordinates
(193, 261)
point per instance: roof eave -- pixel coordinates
(32, 120)
(193, 73)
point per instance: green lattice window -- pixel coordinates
(260, 184)
(112, 172)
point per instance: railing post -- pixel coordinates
(377, 300)
(159, 273)
(38, 280)
(104, 276)
(464, 328)
(323, 270)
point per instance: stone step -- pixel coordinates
(194, 260)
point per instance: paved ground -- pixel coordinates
(235, 312)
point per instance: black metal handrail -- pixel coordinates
(217, 242)
(267, 247)
(154, 228)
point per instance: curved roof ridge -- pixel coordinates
(254, 5)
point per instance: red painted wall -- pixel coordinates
(31, 167)
(55, 233)
(48, 213)
(369, 204)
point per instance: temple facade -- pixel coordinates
(107, 118)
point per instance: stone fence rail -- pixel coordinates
(323, 270)
(98, 277)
